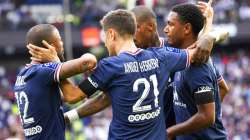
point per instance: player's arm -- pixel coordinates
(201, 50)
(99, 80)
(69, 68)
(89, 107)
(223, 88)
(208, 13)
(200, 83)
(76, 66)
(86, 62)
(202, 119)
(71, 92)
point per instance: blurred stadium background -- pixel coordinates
(81, 31)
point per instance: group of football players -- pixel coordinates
(159, 88)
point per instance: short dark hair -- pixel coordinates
(190, 13)
(123, 21)
(40, 32)
(143, 13)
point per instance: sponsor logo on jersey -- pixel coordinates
(144, 116)
(33, 130)
(203, 89)
(176, 100)
(92, 82)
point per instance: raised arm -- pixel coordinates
(76, 66)
(208, 13)
(89, 107)
(86, 62)
(207, 37)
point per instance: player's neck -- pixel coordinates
(126, 46)
(188, 42)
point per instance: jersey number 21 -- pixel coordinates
(137, 106)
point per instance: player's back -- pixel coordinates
(38, 98)
(197, 80)
(136, 83)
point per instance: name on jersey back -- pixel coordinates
(141, 66)
(20, 81)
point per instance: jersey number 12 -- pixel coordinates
(22, 100)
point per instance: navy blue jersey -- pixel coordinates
(168, 96)
(136, 83)
(197, 79)
(38, 98)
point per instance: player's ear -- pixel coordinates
(110, 34)
(113, 34)
(187, 28)
(150, 26)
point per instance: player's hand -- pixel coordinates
(90, 62)
(42, 54)
(202, 50)
(208, 13)
(206, 9)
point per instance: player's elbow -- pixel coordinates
(90, 59)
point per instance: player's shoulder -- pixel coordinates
(113, 63)
(199, 71)
(29, 69)
(111, 60)
(40, 69)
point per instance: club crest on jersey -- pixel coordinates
(50, 65)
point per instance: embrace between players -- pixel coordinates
(158, 88)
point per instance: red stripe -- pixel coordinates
(220, 79)
(57, 72)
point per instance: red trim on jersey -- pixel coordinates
(161, 42)
(28, 66)
(57, 73)
(219, 79)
